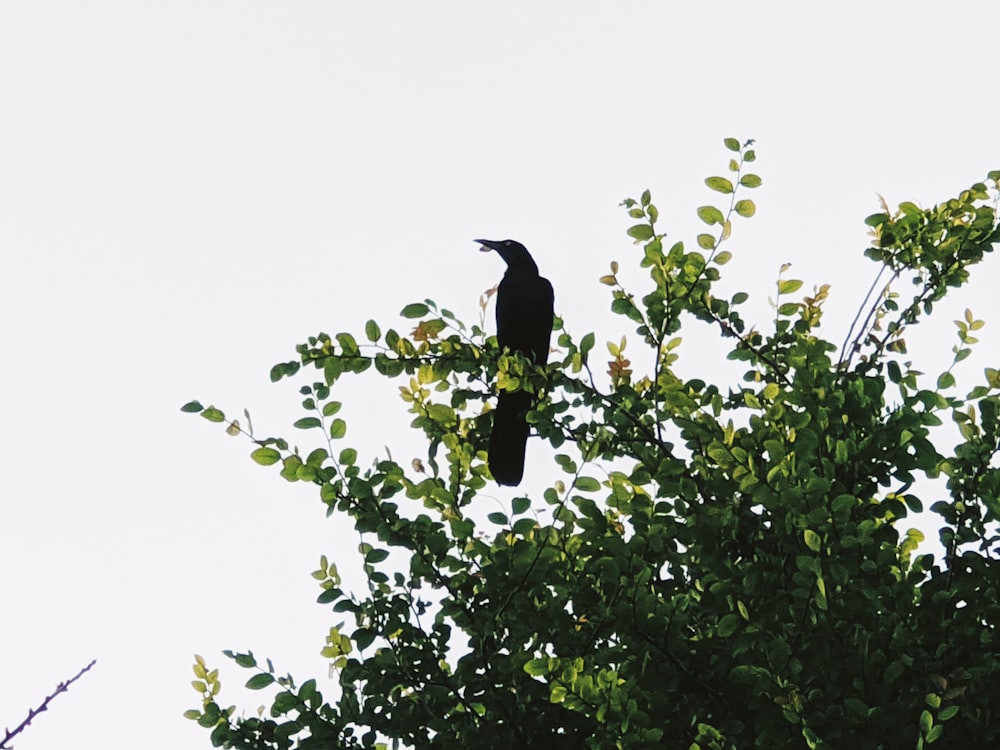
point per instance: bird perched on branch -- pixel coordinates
(524, 324)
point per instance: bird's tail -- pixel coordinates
(509, 436)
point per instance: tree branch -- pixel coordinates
(62, 687)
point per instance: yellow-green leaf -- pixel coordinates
(338, 428)
(812, 540)
(787, 286)
(710, 215)
(266, 456)
(821, 593)
(213, 415)
(719, 184)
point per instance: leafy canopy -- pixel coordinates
(712, 565)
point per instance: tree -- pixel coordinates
(713, 565)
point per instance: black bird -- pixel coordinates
(524, 324)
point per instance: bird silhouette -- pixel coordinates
(524, 324)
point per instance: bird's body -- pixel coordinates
(524, 324)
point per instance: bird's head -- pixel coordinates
(514, 253)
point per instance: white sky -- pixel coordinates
(189, 189)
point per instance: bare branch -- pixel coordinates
(62, 687)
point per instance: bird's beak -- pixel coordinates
(487, 245)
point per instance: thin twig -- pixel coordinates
(62, 687)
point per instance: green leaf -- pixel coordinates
(926, 720)
(750, 180)
(728, 625)
(333, 368)
(244, 660)
(945, 380)
(372, 332)
(284, 369)
(415, 310)
(307, 423)
(213, 415)
(338, 428)
(192, 407)
(732, 144)
(259, 681)
(586, 343)
(645, 198)
(746, 208)
(711, 215)
(331, 407)
(363, 638)
(789, 308)
(587, 484)
(640, 232)
(948, 713)
(441, 413)
(266, 456)
(706, 242)
(524, 526)
(376, 556)
(347, 343)
(308, 690)
(536, 667)
(498, 518)
(219, 735)
(723, 257)
(328, 596)
(348, 457)
(719, 184)
(520, 505)
(844, 503)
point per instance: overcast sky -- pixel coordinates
(189, 189)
